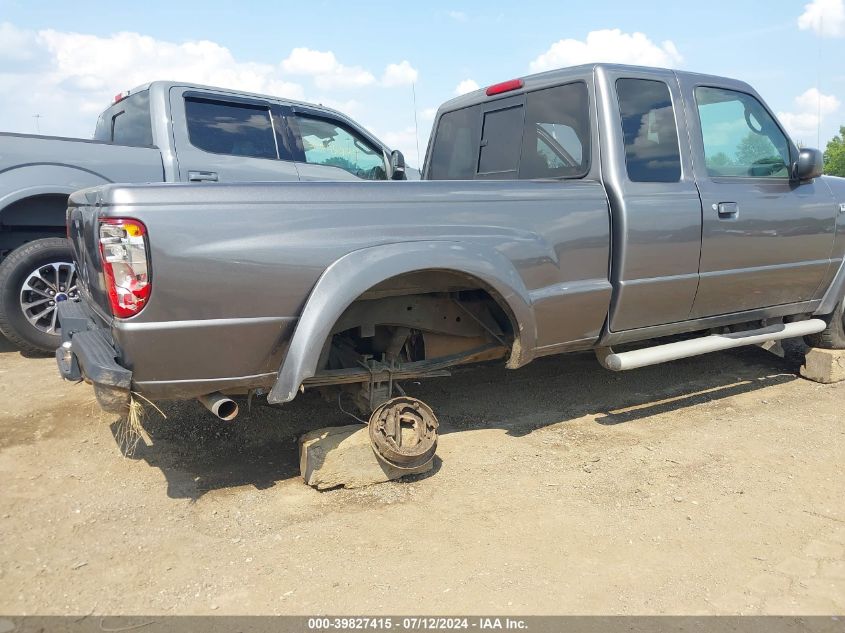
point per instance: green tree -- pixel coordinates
(719, 160)
(755, 148)
(834, 155)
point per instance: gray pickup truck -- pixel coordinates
(576, 209)
(160, 132)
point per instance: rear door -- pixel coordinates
(651, 187)
(227, 138)
(766, 239)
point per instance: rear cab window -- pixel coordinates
(545, 134)
(235, 129)
(127, 122)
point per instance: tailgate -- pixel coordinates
(83, 232)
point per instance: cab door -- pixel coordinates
(766, 238)
(222, 137)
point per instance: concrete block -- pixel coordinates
(824, 365)
(343, 456)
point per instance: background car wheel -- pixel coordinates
(34, 279)
(833, 337)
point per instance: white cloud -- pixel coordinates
(467, 85)
(406, 141)
(401, 74)
(327, 72)
(125, 60)
(16, 45)
(825, 17)
(68, 78)
(811, 108)
(349, 107)
(428, 114)
(608, 45)
(458, 16)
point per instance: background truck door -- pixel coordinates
(656, 210)
(766, 239)
(228, 138)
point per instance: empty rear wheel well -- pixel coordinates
(46, 210)
(30, 219)
(420, 316)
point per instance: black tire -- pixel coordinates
(833, 337)
(15, 270)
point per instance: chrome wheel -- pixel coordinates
(43, 290)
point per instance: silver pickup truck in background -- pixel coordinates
(159, 132)
(577, 209)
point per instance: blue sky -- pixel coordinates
(65, 60)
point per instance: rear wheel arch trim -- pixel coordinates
(352, 275)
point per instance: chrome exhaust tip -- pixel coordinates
(223, 407)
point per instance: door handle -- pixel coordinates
(202, 176)
(727, 210)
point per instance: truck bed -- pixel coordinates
(226, 294)
(35, 161)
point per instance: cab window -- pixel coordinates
(127, 122)
(650, 134)
(556, 141)
(454, 155)
(740, 137)
(237, 129)
(501, 137)
(329, 143)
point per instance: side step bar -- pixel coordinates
(704, 345)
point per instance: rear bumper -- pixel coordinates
(87, 353)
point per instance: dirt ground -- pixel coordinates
(713, 485)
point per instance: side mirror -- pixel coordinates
(810, 164)
(397, 166)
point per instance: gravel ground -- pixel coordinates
(712, 485)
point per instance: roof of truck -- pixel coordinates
(166, 85)
(552, 77)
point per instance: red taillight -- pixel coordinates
(120, 96)
(505, 86)
(123, 250)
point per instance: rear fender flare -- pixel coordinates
(353, 274)
(28, 181)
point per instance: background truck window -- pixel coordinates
(740, 137)
(228, 128)
(327, 142)
(556, 141)
(649, 131)
(501, 139)
(127, 122)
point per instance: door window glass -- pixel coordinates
(649, 131)
(740, 137)
(328, 143)
(229, 128)
(556, 141)
(501, 139)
